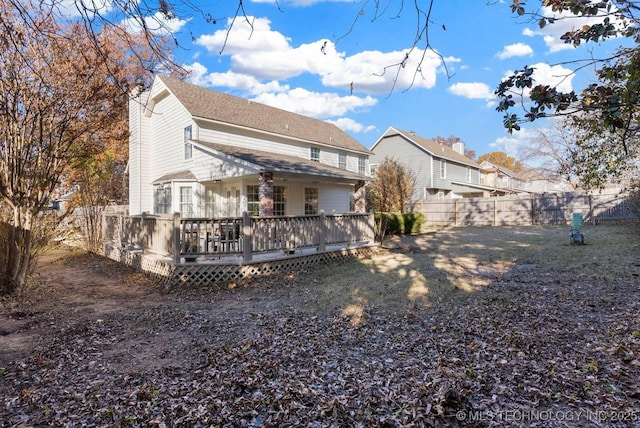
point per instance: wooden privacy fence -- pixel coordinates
(191, 237)
(526, 209)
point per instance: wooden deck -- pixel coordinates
(199, 251)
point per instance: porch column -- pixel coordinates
(360, 204)
(265, 189)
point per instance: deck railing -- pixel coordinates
(188, 238)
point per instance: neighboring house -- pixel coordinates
(502, 179)
(441, 171)
(533, 181)
(203, 153)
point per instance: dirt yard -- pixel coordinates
(472, 327)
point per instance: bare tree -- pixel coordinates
(392, 187)
(55, 97)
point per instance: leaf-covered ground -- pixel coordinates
(473, 327)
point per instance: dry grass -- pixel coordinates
(428, 269)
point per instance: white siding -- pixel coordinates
(219, 135)
(335, 198)
(140, 195)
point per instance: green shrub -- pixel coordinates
(398, 224)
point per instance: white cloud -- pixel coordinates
(555, 76)
(564, 23)
(472, 90)
(266, 54)
(516, 49)
(156, 24)
(512, 144)
(315, 104)
(350, 125)
(75, 9)
(197, 72)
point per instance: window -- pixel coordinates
(443, 168)
(186, 204)
(315, 154)
(162, 199)
(279, 200)
(468, 175)
(188, 147)
(253, 200)
(373, 168)
(440, 195)
(310, 201)
(361, 165)
(342, 160)
(209, 203)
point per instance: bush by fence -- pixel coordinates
(399, 224)
(553, 208)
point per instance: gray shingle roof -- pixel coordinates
(437, 149)
(217, 106)
(180, 175)
(282, 163)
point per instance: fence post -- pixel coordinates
(455, 213)
(103, 230)
(322, 230)
(175, 241)
(246, 237)
(533, 210)
(120, 231)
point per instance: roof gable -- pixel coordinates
(434, 148)
(202, 103)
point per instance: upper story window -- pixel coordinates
(342, 160)
(361, 164)
(315, 154)
(443, 168)
(188, 147)
(373, 168)
(468, 175)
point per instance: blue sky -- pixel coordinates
(281, 61)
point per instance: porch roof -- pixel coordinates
(185, 175)
(275, 162)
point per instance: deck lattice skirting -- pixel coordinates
(201, 273)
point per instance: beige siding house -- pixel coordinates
(203, 153)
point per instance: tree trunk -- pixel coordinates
(17, 254)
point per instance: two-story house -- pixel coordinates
(499, 177)
(441, 171)
(204, 153)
